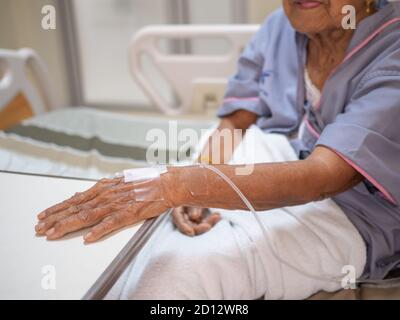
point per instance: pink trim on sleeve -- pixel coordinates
(234, 99)
(377, 185)
(387, 194)
(311, 128)
(372, 36)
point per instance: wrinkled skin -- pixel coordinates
(109, 205)
(324, 19)
(194, 221)
(326, 50)
(106, 207)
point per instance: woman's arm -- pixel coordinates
(218, 150)
(110, 204)
(322, 175)
(216, 146)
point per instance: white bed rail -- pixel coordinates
(185, 72)
(15, 80)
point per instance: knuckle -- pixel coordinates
(115, 206)
(109, 221)
(74, 209)
(183, 228)
(51, 219)
(118, 219)
(84, 216)
(108, 192)
(59, 226)
(98, 186)
(105, 225)
(86, 206)
(80, 197)
(104, 196)
(78, 194)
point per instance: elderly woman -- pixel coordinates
(323, 104)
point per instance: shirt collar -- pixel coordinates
(370, 24)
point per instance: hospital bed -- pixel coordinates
(33, 268)
(44, 147)
(89, 143)
(47, 153)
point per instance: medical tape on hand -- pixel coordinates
(146, 182)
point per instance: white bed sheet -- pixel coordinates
(26, 259)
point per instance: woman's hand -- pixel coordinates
(108, 206)
(194, 221)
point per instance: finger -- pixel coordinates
(116, 202)
(106, 226)
(83, 219)
(79, 197)
(180, 220)
(207, 223)
(43, 225)
(117, 194)
(54, 209)
(121, 188)
(186, 218)
(213, 219)
(202, 228)
(195, 214)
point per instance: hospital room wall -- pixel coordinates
(258, 9)
(20, 26)
(98, 40)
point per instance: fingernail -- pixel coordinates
(39, 226)
(41, 215)
(50, 232)
(89, 235)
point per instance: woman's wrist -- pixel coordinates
(173, 188)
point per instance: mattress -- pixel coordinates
(88, 143)
(80, 143)
(33, 268)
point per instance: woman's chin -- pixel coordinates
(305, 22)
(309, 31)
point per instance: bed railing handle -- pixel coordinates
(41, 97)
(183, 71)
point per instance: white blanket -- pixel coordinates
(233, 260)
